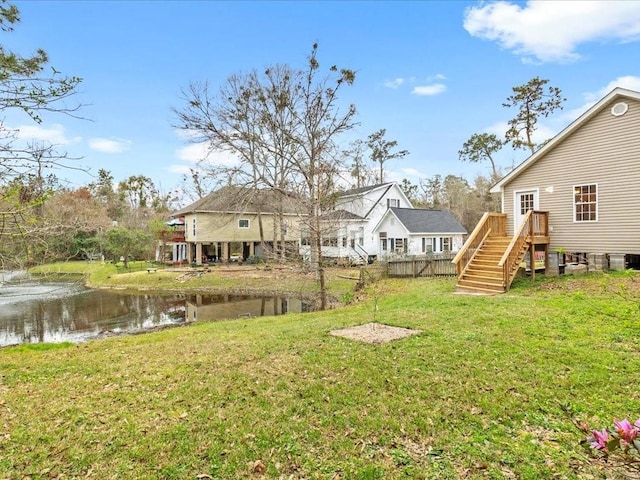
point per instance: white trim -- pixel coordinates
(619, 109)
(573, 202)
(517, 216)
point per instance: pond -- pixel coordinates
(34, 311)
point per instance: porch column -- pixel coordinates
(198, 258)
(252, 249)
(189, 253)
(225, 252)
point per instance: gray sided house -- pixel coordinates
(575, 200)
(415, 231)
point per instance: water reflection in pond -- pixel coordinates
(33, 311)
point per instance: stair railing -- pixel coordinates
(533, 224)
(491, 224)
(364, 255)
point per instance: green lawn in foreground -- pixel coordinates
(488, 390)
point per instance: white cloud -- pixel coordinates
(629, 82)
(395, 83)
(54, 135)
(179, 169)
(412, 174)
(433, 89)
(110, 145)
(196, 152)
(551, 31)
(192, 153)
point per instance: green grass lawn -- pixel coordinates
(489, 389)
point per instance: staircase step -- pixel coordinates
(485, 291)
(482, 283)
(483, 275)
(479, 288)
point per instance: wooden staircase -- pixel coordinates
(489, 260)
(483, 274)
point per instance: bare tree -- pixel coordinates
(322, 122)
(283, 126)
(250, 118)
(357, 164)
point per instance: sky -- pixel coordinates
(432, 73)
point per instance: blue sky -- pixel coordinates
(432, 73)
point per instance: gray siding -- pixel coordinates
(605, 150)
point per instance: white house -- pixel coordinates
(416, 231)
(355, 230)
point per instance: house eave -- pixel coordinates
(568, 130)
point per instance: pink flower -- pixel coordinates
(625, 430)
(599, 439)
(637, 424)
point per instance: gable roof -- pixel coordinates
(232, 199)
(575, 125)
(362, 190)
(419, 220)
(383, 187)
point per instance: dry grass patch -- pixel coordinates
(374, 333)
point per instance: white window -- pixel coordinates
(393, 202)
(428, 244)
(243, 223)
(194, 227)
(527, 202)
(445, 244)
(585, 203)
(361, 236)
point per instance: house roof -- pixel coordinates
(383, 189)
(341, 215)
(575, 125)
(418, 220)
(232, 199)
(361, 190)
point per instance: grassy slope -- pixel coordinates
(483, 392)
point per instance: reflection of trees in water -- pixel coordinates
(87, 314)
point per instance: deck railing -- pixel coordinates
(491, 224)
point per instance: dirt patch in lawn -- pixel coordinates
(374, 333)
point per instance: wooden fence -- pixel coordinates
(424, 266)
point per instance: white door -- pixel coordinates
(525, 200)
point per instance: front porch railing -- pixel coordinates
(491, 224)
